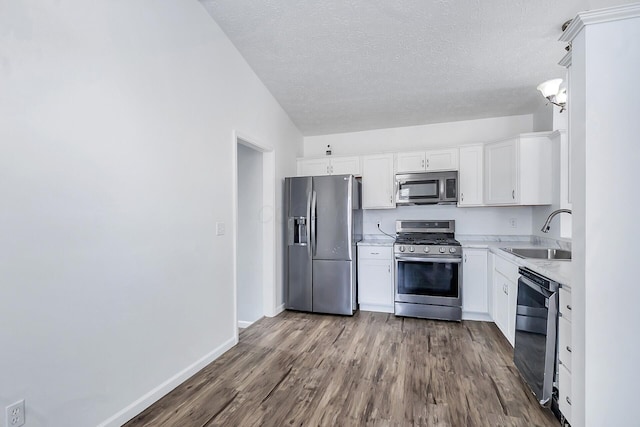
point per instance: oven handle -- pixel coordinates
(437, 260)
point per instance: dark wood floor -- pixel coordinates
(370, 369)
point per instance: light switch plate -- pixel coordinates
(220, 228)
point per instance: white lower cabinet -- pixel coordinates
(565, 351)
(474, 284)
(375, 278)
(505, 296)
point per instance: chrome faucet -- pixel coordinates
(546, 227)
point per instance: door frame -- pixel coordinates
(268, 213)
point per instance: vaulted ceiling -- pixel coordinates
(350, 65)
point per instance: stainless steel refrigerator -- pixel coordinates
(324, 223)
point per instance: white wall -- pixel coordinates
(249, 260)
(604, 130)
(543, 117)
(116, 154)
(419, 137)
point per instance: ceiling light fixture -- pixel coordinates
(555, 91)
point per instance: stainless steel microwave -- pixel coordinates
(425, 188)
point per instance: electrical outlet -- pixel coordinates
(513, 222)
(15, 414)
(220, 228)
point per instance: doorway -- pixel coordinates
(254, 231)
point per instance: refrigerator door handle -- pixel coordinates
(308, 227)
(313, 240)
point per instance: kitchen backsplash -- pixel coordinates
(469, 221)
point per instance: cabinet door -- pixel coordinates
(442, 160)
(345, 165)
(470, 177)
(512, 301)
(500, 302)
(474, 281)
(410, 162)
(313, 167)
(501, 172)
(375, 285)
(377, 182)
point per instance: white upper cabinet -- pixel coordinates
(410, 161)
(313, 167)
(432, 160)
(471, 175)
(329, 166)
(377, 182)
(517, 171)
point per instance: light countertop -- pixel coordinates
(560, 271)
(376, 240)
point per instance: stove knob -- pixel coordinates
(452, 250)
(401, 248)
(426, 249)
(441, 250)
(411, 249)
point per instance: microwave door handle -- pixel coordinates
(442, 195)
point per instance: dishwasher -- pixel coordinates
(536, 333)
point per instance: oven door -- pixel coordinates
(429, 280)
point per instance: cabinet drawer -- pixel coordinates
(564, 342)
(564, 392)
(507, 268)
(565, 304)
(375, 252)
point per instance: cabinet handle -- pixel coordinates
(568, 400)
(427, 163)
(422, 164)
(513, 194)
(462, 196)
(569, 349)
(389, 269)
(568, 307)
(465, 257)
(375, 253)
(391, 199)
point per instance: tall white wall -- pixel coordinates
(419, 137)
(116, 152)
(604, 129)
(249, 260)
(493, 220)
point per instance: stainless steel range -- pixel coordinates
(428, 270)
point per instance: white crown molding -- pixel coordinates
(599, 16)
(566, 60)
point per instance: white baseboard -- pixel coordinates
(279, 309)
(242, 324)
(474, 315)
(377, 308)
(161, 390)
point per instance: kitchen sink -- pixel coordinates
(541, 253)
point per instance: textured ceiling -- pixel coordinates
(350, 65)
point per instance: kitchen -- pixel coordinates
(134, 180)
